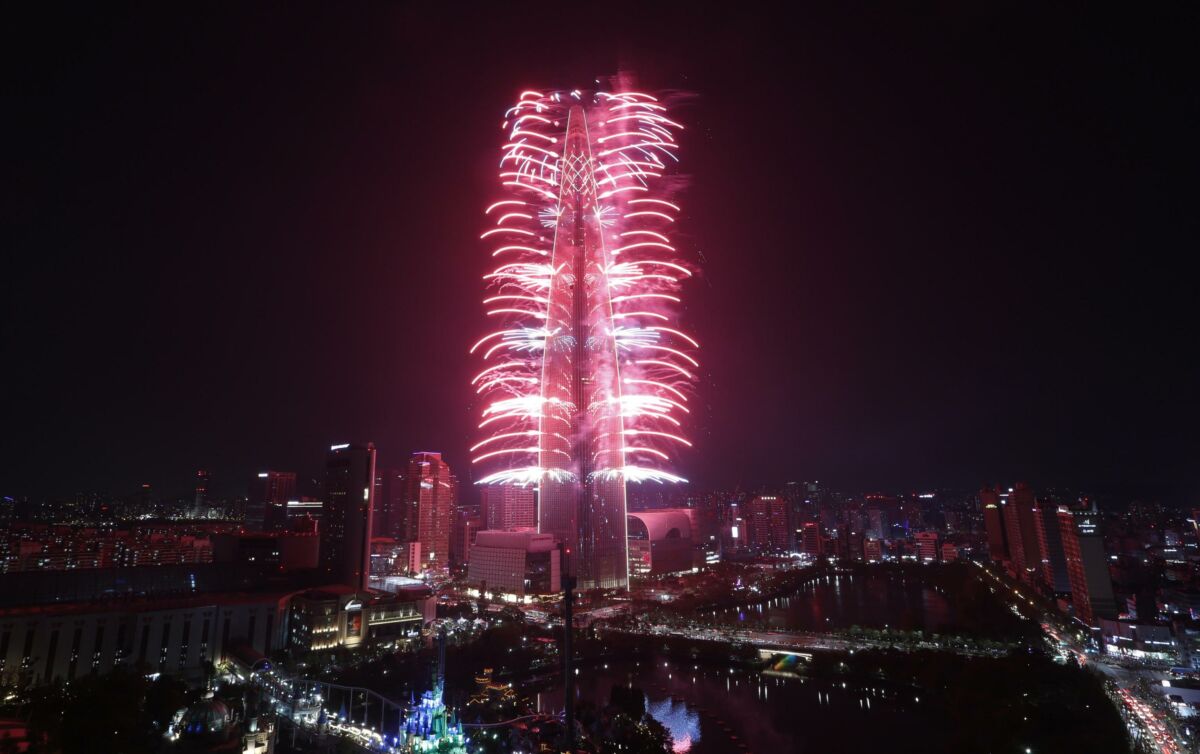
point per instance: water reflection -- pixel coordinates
(717, 711)
(872, 601)
(676, 717)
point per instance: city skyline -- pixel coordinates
(832, 387)
(919, 333)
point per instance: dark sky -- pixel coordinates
(938, 248)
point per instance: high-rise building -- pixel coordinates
(514, 563)
(767, 523)
(267, 501)
(872, 550)
(201, 504)
(346, 520)
(1053, 567)
(850, 543)
(466, 525)
(595, 408)
(810, 538)
(507, 507)
(1087, 566)
(433, 491)
(994, 524)
(1025, 552)
(398, 501)
(878, 524)
(927, 546)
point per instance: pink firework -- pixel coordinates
(587, 376)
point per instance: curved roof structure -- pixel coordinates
(660, 523)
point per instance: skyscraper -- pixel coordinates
(926, 544)
(810, 538)
(587, 376)
(1053, 567)
(200, 506)
(1087, 566)
(465, 524)
(1025, 552)
(993, 523)
(507, 507)
(267, 501)
(434, 491)
(396, 516)
(767, 523)
(345, 556)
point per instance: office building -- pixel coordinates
(873, 550)
(1087, 566)
(767, 523)
(1025, 553)
(434, 490)
(339, 616)
(514, 565)
(200, 509)
(267, 501)
(926, 544)
(346, 525)
(173, 636)
(508, 507)
(397, 515)
(1053, 568)
(994, 524)
(878, 523)
(467, 523)
(810, 539)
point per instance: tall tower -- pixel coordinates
(581, 429)
(586, 379)
(200, 507)
(346, 524)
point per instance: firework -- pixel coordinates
(586, 377)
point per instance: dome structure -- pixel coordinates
(209, 719)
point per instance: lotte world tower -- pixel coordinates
(587, 378)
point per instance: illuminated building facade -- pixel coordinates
(767, 523)
(1020, 527)
(1087, 566)
(343, 617)
(514, 563)
(810, 538)
(586, 376)
(433, 492)
(926, 544)
(507, 507)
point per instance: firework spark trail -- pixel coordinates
(586, 376)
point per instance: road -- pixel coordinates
(1151, 724)
(793, 640)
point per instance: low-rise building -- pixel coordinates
(660, 541)
(179, 636)
(340, 616)
(515, 564)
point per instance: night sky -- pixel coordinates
(937, 249)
